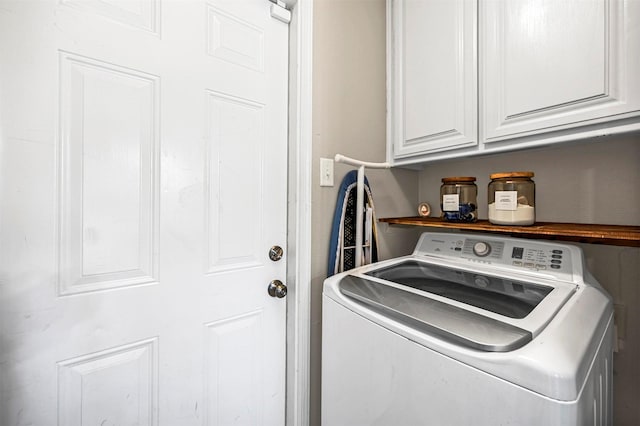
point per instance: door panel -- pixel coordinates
(235, 125)
(125, 376)
(143, 181)
(238, 370)
(109, 180)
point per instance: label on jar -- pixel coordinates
(450, 202)
(506, 200)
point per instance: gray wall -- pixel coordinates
(349, 119)
(588, 182)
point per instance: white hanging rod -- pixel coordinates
(339, 158)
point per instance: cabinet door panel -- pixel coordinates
(433, 68)
(551, 65)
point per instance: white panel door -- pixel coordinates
(142, 184)
(433, 69)
(553, 65)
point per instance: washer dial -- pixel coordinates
(481, 249)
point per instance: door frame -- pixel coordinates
(299, 213)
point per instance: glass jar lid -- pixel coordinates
(511, 175)
(458, 179)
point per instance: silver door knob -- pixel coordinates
(277, 289)
(275, 253)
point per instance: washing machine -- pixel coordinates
(472, 330)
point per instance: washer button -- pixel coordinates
(556, 261)
(555, 266)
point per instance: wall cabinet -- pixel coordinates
(433, 93)
(547, 72)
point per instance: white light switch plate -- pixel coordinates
(326, 172)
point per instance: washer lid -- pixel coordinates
(431, 316)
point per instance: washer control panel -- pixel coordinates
(537, 258)
(513, 253)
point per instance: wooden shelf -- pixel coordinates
(615, 235)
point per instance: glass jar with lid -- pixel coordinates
(511, 198)
(458, 199)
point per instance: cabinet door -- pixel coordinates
(432, 64)
(551, 66)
